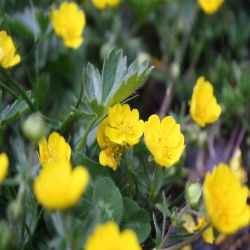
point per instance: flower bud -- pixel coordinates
(193, 194)
(142, 57)
(175, 70)
(34, 127)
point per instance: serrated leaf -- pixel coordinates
(116, 83)
(107, 200)
(136, 219)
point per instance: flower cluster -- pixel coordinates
(4, 165)
(210, 6)
(123, 128)
(8, 55)
(108, 236)
(58, 186)
(68, 23)
(204, 108)
(102, 4)
(226, 200)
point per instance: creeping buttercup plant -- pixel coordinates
(123, 124)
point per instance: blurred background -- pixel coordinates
(177, 37)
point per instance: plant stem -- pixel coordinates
(189, 240)
(171, 228)
(66, 221)
(19, 89)
(4, 86)
(152, 193)
(86, 133)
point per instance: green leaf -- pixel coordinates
(136, 219)
(116, 83)
(13, 111)
(107, 200)
(164, 210)
(94, 168)
(157, 231)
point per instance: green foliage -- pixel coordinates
(13, 111)
(136, 219)
(107, 200)
(116, 83)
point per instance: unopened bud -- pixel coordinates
(193, 194)
(34, 127)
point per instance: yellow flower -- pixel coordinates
(8, 55)
(59, 186)
(164, 140)
(204, 107)
(53, 150)
(111, 152)
(236, 166)
(68, 23)
(226, 200)
(124, 126)
(210, 6)
(102, 4)
(208, 235)
(190, 226)
(4, 165)
(108, 236)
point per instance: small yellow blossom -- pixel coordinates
(190, 225)
(68, 23)
(210, 6)
(53, 150)
(8, 55)
(164, 140)
(108, 236)
(111, 152)
(236, 166)
(103, 4)
(59, 186)
(124, 126)
(4, 165)
(208, 235)
(204, 107)
(226, 200)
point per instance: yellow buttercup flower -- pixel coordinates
(59, 186)
(68, 23)
(236, 166)
(8, 55)
(208, 235)
(226, 200)
(210, 6)
(111, 152)
(102, 4)
(204, 107)
(124, 126)
(53, 150)
(164, 140)
(190, 225)
(108, 236)
(4, 165)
